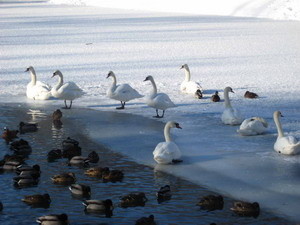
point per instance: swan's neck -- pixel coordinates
(114, 83)
(60, 82)
(187, 74)
(278, 125)
(167, 133)
(33, 77)
(227, 100)
(154, 92)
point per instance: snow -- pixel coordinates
(253, 54)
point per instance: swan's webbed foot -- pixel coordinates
(158, 116)
(175, 161)
(66, 106)
(122, 105)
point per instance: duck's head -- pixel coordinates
(229, 89)
(30, 68)
(216, 93)
(57, 73)
(148, 78)
(110, 73)
(184, 66)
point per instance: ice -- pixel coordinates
(245, 53)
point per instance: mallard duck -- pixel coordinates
(99, 206)
(14, 158)
(37, 199)
(112, 175)
(249, 94)
(57, 115)
(25, 180)
(246, 208)
(69, 143)
(211, 202)
(64, 178)
(215, 97)
(146, 221)
(20, 146)
(80, 190)
(54, 154)
(164, 193)
(96, 171)
(70, 148)
(9, 135)
(79, 161)
(24, 170)
(133, 199)
(93, 157)
(53, 219)
(27, 127)
(11, 165)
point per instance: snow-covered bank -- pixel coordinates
(275, 9)
(245, 53)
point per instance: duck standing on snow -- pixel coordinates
(230, 116)
(37, 90)
(122, 92)
(215, 97)
(188, 86)
(158, 100)
(249, 94)
(287, 145)
(253, 126)
(167, 152)
(66, 91)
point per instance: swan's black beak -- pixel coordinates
(26, 70)
(281, 115)
(108, 75)
(232, 91)
(54, 74)
(177, 126)
(181, 67)
(146, 79)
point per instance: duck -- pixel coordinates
(122, 92)
(80, 190)
(79, 161)
(112, 175)
(253, 126)
(9, 135)
(146, 221)
(64, 178)
(93, 157)
(211, 202)
(37, 199)
(57, 115)
(69, 143)
(33, 171)
(27, 127)
(188, 86)
(215, 97)
(230, 116)
(53, 219)
(167, 152)
(54, 154)
(249, 94)
(96, 171)
(246, 208)
(287, 145)
(158, 100)
(99, 206)
(70, 148)
(164, 193)
(25, 181)
(37, 90)
(133, 199)
(66, 91)
(11, 165)
(16, 158)
(20, 147)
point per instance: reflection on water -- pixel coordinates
(180, 209)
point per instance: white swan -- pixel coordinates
(188, 86)
(253, 126)
(122, 92)
(66, 91)
(158, 100)
(167, 152)
(287, 145)
(35, 89)
(230, 116)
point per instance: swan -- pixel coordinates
(167, 152)
(230, 116)
(66, 91)
(158, 100)
(122, 92)
(37, 90)
(253, 126)
(287, 145)
(188, 86)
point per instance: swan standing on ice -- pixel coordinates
(287, 145)
(230, 116)
(253, 126)
(188, 86)
(66, 91)
(158, 100)
(167, 152)
(37, 90)
(122, 92)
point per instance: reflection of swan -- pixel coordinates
(167, 152)
(253, 126)
(66, 91)
(188, 86)
(158, 100)
(122, 92)
(230, 116)
(285, 144)
(35, 89)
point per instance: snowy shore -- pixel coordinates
(244, 53)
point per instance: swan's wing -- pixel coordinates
(251, 127)
(165, 152)
(43, 85)
(40, 91)
(70, 91)
(231, 116)
(190, 87)
(162, 101)
(126, 92)
(287, 145)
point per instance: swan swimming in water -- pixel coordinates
(122, 92)
(158, 100)
(37, 90)
(253, 126)
(287, 145)
(230, 116)
(66, 91)
(188, 86)
(167, 152)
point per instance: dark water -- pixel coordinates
(181, 209)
